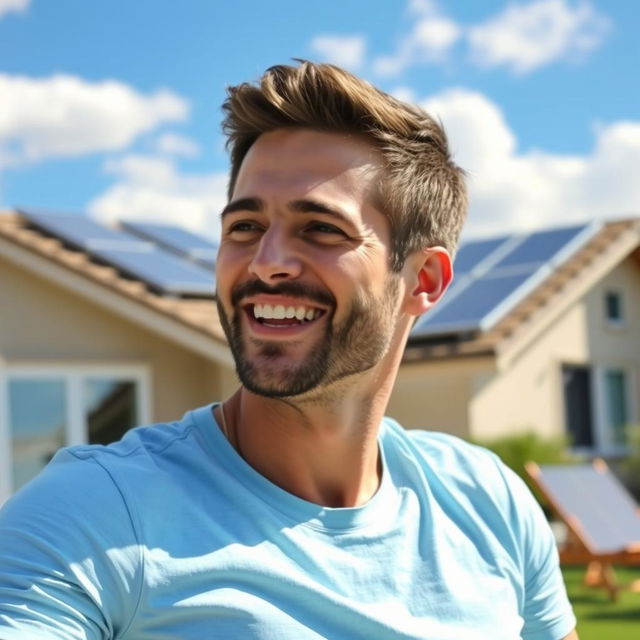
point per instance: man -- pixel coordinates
(294, 509)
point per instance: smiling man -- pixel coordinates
(294, 509)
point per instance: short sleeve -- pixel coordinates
(69, 560)
(547, 612)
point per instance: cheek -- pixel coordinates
(230, 264)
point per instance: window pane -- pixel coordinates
(615, 385)
(577, 404)
(37, 421)
(613, 306)
(110, 408)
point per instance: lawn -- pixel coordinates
(598, 617)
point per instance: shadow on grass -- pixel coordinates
(628, 614)
(587, 598)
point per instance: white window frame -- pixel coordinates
(604, 439)
(73, 375)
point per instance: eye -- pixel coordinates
(325, 229)
(242, 227)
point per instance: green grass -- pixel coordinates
(598, 617)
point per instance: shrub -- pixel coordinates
(630, 466)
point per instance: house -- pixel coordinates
(87, 351)
(560, 356)
(101, 330)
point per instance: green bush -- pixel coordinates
(630, 466)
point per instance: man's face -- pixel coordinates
(305, 294)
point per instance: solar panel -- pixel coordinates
(541, 246)
(82, 232)
(176, 239)
(495, 274)
(161, 270)
(471, 303)
(472, 253)
(605, 510)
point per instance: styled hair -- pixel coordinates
(421, 190)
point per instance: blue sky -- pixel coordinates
(112, 108)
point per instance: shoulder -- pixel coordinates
(71, 536)
(450, 457)
(89, 483)
(457, 473)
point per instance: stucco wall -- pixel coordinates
(526, 393)
(43, 323)
(436, 395)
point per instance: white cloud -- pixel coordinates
(344, 51)
(404, 93)
(174, 144)
(510, 190)
(64, 115)
(152, 188)
(430, 40)
(7, 6)
(525, 37)
(522, 37)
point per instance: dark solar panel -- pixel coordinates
(471, 254)
(132, 256)
(84, 233)
(476, 300)
(541, 247)
(603, 506)
(495, 274)
(176, 239)
(162, 270)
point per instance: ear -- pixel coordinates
(431, 272)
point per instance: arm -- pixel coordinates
(546, 609)
(57, 580)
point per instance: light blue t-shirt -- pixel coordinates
(169, 534)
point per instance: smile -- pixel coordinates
(281, 315)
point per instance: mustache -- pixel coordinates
(291, 289)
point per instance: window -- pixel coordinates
(616, 405)
(576, 382)
(599, 406)
(50, 407)
(37, 422)
(613, 308)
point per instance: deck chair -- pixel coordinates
(602, 519)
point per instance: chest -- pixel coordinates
(413, 580)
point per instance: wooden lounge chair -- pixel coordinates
(602, 519)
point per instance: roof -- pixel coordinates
(197, 315)
(603, 250)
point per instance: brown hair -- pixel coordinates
(422, 191)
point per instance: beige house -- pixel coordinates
(565, 358)
(86, 353)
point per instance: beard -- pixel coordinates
(355, 345)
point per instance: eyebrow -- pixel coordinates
(243, 204)
(304, 205)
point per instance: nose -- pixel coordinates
(275, 258)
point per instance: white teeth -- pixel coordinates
(280, 312)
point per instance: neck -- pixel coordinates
(321, 447)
